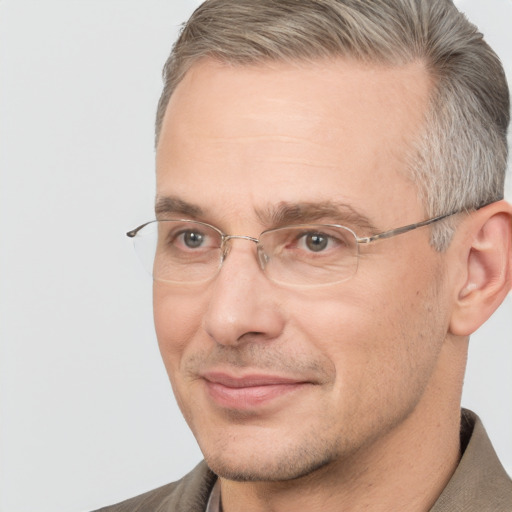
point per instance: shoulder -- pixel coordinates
(190, 494)
(480, 483)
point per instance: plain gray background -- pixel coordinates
(87, 414)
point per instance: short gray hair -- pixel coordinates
(459, 161)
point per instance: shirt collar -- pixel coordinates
(214, 504)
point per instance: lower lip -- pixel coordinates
(249, 397)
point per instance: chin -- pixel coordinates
(269, 467)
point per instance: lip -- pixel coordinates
(248, 391)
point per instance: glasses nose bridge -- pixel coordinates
(227, 238)
(262, 259)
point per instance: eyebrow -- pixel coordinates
(282, 214)
(306, 212)
(171, 205)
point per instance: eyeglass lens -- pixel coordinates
(187, 251)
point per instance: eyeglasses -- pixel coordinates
(187, 251)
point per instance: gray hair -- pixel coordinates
(459, 161)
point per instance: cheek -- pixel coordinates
(382, 332)
(178, 317)
(341, 326)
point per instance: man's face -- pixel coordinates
(276, 381)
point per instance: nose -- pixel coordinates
(244, 304)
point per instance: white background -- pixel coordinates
(87, 414)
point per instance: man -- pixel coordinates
(330, 230)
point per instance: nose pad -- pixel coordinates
(263, 257)
(224, 248)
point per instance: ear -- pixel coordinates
(486, 256)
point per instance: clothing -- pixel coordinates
(214, 503)
(479, 484)
(190, 494)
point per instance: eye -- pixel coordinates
(188, 237)
(193, 239)
(315, 242)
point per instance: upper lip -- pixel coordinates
(250, 380)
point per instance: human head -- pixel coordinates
(240, 140)
(459, 161)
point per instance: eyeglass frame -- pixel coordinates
(359, 240)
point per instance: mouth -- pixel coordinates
(249, 391)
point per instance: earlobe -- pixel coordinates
(487, 260)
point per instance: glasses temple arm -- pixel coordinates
(403, 229)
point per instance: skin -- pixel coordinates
(368, 414)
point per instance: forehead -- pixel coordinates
(334, 130)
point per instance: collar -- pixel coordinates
(214, 504)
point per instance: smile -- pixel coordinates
(249, 391)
